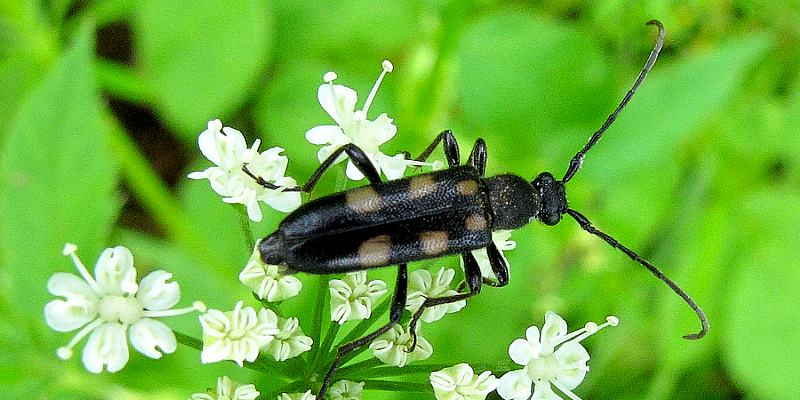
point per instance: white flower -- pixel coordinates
(110, 303)
(227, 149)
(236, 335)
(553, 357)
(392, 347)
(229, 390)
(297, 396)
(289, 341)
(500, 239)
(422, 285)
(459, 382)
(346, 390)
(352, 126)
(267, 281)
(352, 297)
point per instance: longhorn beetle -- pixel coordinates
(452, 211)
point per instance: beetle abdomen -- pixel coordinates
(420, 217)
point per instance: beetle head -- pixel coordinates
(553, 197)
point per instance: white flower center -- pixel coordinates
(126, 310)
(544, 368)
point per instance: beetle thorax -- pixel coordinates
(514, 202)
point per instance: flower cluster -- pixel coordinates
(550, 357)
(227, 149)
(353, 296)
(240, 335)
(111, 306)
(353, 126)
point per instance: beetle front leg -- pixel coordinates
(474, 280)
(395, 313)
(357, 156)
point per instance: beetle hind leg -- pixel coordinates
(395, 313)
(474, 280)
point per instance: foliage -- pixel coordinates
(700, 174)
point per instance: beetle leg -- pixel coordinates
(449, 145)
(499, 269)
(474, 280)
(395, 313)
(357, 156)
(477, 158)
(499, 266)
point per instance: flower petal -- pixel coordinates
(553, 329)
(282, 201)
(514, 385)
(156, 294)
(393, 167)
(521, 351)
(147, 334)
(114, 272)
(207, 141)
(79, 308)
(107, 346)
(543, 391)
(338, 101)
(324, 134)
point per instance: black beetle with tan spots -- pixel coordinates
(452, 211)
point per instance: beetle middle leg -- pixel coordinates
(499, 269)
(395, 313)
(474, 280)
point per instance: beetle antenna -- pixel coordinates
(587, 226)
(577, 161)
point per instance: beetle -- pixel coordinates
(451, 211)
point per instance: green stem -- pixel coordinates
(380, 371)
(394, 386)
(361, 328)
(325, 346)
(319, 311)
(247, 230)
(354, 369)
(189, 341)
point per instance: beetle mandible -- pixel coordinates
(452, 211)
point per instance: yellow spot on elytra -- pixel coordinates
(433, 242)
(420, 186)
(375, 252)
(466, 188)
(475, 222)
(363, 200)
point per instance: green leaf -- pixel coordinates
(637, 158)
(58, 178)
(366, 28)
(763, 316)
(523, 78)
(201, 58)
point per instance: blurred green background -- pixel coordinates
(103, 102)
